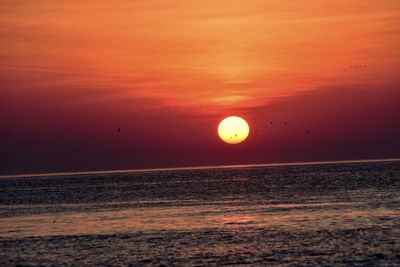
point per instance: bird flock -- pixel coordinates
(357, 66)
(271, 123)
(284, 123)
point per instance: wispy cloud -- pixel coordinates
(213, 55)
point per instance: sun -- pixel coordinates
(233, 130)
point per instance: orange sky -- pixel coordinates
(198, 53)
(202, 57)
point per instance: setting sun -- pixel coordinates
(200, 132)
(233, 130)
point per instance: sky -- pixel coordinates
(167, 72)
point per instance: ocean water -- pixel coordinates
(328, 214)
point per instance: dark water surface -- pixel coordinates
(330, 214)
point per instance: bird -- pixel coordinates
(119, 129)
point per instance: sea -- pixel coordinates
(331, 214)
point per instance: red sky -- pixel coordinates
(166, 73)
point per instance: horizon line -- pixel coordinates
(255, 165)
